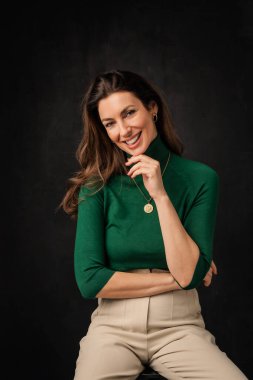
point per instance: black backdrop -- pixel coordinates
(200, 53)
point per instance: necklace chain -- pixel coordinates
(162, 176)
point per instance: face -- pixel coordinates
(125, 118)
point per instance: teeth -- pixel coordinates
(130, 142)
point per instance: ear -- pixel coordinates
(153, 107)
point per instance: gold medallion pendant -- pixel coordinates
(148, 208)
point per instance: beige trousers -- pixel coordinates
(165, 331)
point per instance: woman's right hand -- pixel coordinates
(208, 278)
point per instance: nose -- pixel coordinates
(124, 129)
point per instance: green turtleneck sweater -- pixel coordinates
(114, 233)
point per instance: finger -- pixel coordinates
(140, 157)
(208, 278)
(136, 166)
(214, 268)
(207, 282)
(209, 274)
(143, 170)
(139, 166)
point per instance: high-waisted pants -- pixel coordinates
(165, 331)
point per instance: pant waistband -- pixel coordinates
(148, 270)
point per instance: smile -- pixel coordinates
(134, 140)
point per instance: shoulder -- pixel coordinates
(95, 193)
(195, 173)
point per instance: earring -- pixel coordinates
(155, 117)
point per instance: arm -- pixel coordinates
(200, 224)
(188, 245)
(93, 278)
(181, 251)
(89, 258)
(131, 285)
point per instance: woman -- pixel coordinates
(145, 227)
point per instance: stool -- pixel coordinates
(149, 374)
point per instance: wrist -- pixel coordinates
(161, 197)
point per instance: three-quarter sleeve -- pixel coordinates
(90, 268)
(200, 223)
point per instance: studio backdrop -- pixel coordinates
(200, 54)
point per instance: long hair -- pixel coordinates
(98, 157)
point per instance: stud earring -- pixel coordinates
(155, 117)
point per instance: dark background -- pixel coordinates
(200, 54)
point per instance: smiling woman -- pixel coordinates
(132, 104)
(142, 261)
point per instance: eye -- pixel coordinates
(108, 124)
(130, 112)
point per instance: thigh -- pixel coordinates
(193, 353)
(105, 352)
(105, 357)
(185, 349)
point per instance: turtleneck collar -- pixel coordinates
(157, 149)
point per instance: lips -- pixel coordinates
(138, 134)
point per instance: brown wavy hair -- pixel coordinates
(98, 157)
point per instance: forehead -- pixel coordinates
(116, 102)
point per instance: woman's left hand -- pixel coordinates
(212, 270)
(151, 174)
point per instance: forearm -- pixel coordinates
(132, 285)
(181, 251)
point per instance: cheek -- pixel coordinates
(144, 120)
(112, 135)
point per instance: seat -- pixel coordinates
(149, 374)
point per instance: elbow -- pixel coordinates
(194, 283)
(180, 281)
(87, 295)
(188, 283)
(92, 282)
(186, 279)
(198, 276)
(191, 283)
(86, 291)
(184, 282)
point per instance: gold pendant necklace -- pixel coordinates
(148, 208)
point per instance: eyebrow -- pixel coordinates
(121, 113)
